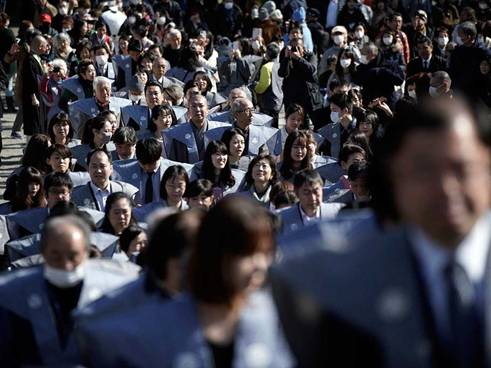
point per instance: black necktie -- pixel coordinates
(465, 342)
(149, 188)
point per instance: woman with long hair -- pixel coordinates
(29, 192)
(118, 213)
(295, 155)
(216, 168)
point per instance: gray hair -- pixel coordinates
(54, 225)
(59, 38)
(237, 105)
(174, 32)
(60, 63)
(100, 80)
(441, 76)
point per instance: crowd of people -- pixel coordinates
(245, 183)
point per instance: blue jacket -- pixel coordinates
(169, 334)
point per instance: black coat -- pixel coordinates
(415, 66)
(378, 80)
(300, 84)
(31, 74)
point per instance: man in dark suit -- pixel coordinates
(426, 62)
(32, 71)
(417, 295)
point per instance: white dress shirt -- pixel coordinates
(471, 254)
(101, 195)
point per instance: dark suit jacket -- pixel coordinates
(415, 66)
(366, 307)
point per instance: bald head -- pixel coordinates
(65, 242)
(39, 45)
(235, 94)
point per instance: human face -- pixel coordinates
(100, 169)
(175, 188)
(33, 189)
(158, 67)
(262, 172)
(360, 189)
(61, 130)
(58, 194)
(310, 197)
(237, 145)
(201, 201)
(153, 96)
(89, 73)
(164, 121)
(175, 41)
(366, 128)
(245, 114)
(139, 243)
(219, 160)
(59, 163)
(293, 122)
(299, 150)
(354, 157)
(111, 118)
(235, 94)
(484, 67)
(100, 135)
(65, 248)
(120, 215)
(424, 50)
(202, 83)
(396, 24)
(103, 93)
(125, 151)
(123, 46)
(248, 273)
(199, 110)
(445, 189)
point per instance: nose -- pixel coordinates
(67, 265)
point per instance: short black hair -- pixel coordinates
(199, 187)
(153, 83)
(125, 134)
(148, 150)
(127, 236)
(348, 149)
(57, 179)
(94, 151)
(342, 100)
(307, 176)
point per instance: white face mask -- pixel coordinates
(63, 10)
(442, 41)
(62, 278)
(433, 91)
(387, 40)
(101, 59)
(134, 98)
(254, 13)
(255, 45)
(337, 39)
(345, 63)
(228, 5)
(412, 93)
(334, 116)
(359, 34)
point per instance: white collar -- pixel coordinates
(471, 253)
(306, 218)
(96, 189)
